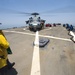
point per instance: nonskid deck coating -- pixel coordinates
(57, 58)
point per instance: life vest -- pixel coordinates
(3, 50)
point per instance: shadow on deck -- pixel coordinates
(10, 72)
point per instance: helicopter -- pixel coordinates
(35, 23)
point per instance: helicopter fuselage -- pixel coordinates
(35, 23)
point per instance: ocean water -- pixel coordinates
(2, 27)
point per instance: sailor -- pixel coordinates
(71, 28)
(4, 62)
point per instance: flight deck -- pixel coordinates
(56, 58)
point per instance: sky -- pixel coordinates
(53, 11)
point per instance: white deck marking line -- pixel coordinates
(55, 38)
(40, 35)
(20, 32)
(35, 69)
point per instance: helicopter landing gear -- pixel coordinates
(30, 29)
(39, 29)
(35, 30)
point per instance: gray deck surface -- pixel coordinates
(57, 58)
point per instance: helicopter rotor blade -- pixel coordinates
(6, 10)
(66, 9)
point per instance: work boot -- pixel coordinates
(10, 65)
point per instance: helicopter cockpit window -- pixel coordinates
(31, 19)
(38, 19)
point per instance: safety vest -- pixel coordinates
(3, 50)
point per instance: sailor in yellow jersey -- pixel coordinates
(4, 62)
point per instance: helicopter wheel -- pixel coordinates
(30, 29)
(35, 30)
(40, 28)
